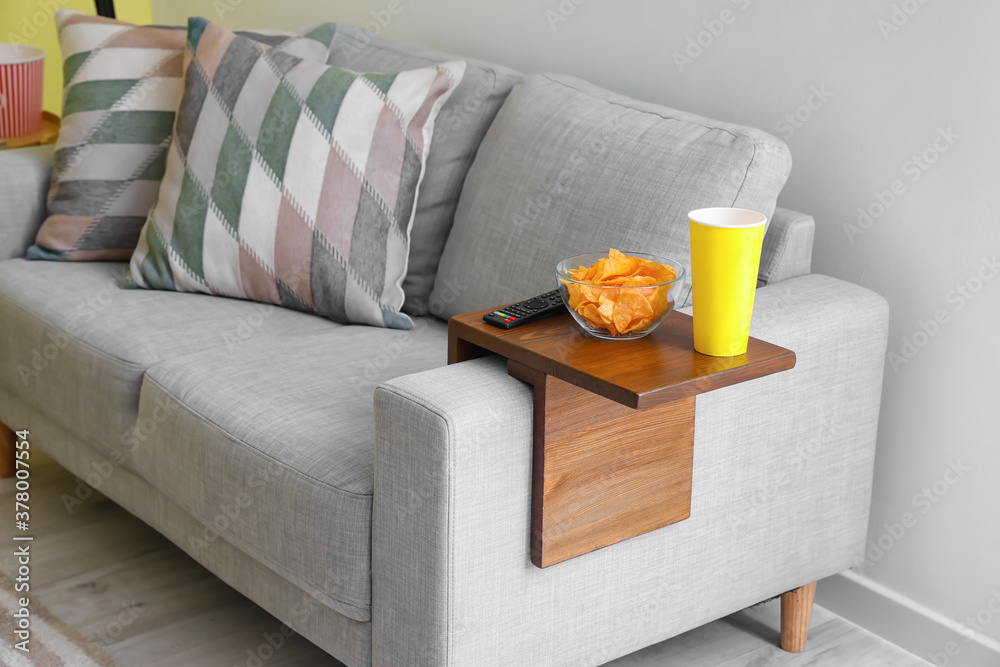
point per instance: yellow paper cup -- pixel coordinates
(725, 258)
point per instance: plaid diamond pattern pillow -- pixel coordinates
(122, 83)
(291, 182)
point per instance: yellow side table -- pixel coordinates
(47, 135)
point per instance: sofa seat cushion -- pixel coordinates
(272, 448)
(74, 346)
(569, 168)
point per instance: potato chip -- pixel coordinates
(639, 281)
(618, 265)
(638, 324)
(625, 293)
(606, 308)
(591, 293)
(635, 303)
(574, 296)
(589, 313)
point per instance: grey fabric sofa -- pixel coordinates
(378, 501)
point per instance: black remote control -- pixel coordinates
(525, 311)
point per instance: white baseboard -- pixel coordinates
(906, 622)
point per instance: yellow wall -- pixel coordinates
(32, 22)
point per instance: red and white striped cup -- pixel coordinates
(21, 68)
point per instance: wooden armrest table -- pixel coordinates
(613, 422)
(614, 430)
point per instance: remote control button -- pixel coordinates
(536, 304)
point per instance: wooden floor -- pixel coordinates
(91, 565)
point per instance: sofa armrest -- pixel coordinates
(788, 244)
(24, 182)
(781, 490)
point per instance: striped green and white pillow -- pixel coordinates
(291, 182)
(122, 83)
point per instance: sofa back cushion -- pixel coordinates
(460, 128)
(122, 83)
(291, 182)
(569, 168)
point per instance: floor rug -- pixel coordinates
(52, 643)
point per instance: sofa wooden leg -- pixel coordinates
(7, 440)
(796, 608)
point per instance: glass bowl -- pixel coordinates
(601, 309)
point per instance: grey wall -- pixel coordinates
(904, 110)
